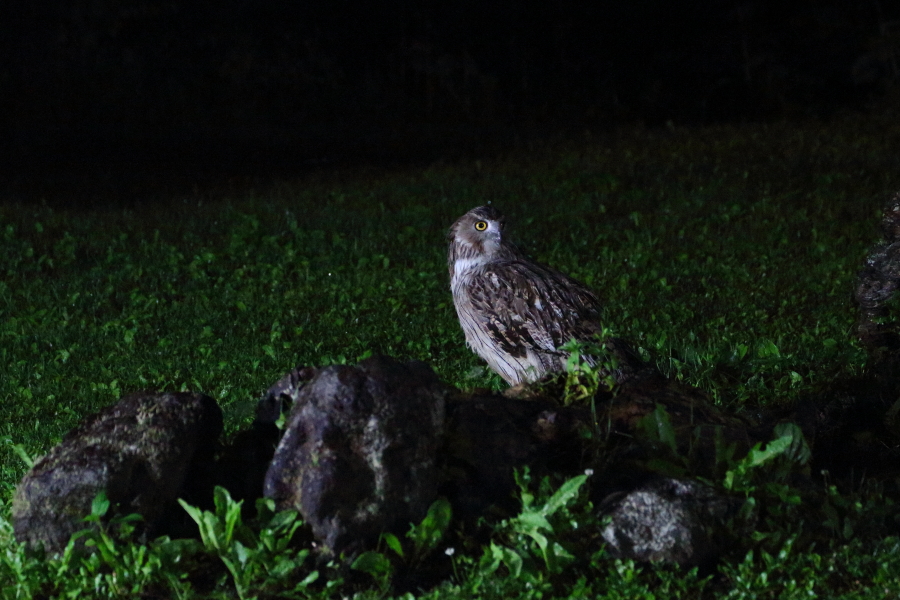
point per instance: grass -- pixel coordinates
(726, 254)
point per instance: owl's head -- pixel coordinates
(477, 238)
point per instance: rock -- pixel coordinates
(358, 454)
(489, 436)
(242, 465)
(283, 394)
(241, 468)
(877, 283)
(700, 431)
(632, 435)
(852, 425)
(670, 520)
(622, 437)
(145, 451)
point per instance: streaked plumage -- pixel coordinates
(516, 313)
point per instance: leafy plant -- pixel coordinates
(531, 536)
(255, 561)
(788, 451)
(424, 538)
(584, 379)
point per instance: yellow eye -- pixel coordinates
(480, 225)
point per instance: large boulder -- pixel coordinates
(877, 284)
(144, 452)
(853, 424)
(241, 467)
(358, 454)
(488, 437)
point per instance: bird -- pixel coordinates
(517, 313)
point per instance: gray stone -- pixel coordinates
(358, 454)
(670, 520)
(139, 451)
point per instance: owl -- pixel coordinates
(517, 313)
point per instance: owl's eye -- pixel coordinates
(481, 225)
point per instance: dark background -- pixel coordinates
(121, 95)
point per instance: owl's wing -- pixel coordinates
(525, 306)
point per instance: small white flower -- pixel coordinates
(588, 472)
(450, 551)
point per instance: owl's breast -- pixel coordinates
(489, 335)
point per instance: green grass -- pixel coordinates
(727, 255)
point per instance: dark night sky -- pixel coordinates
(238, 82)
